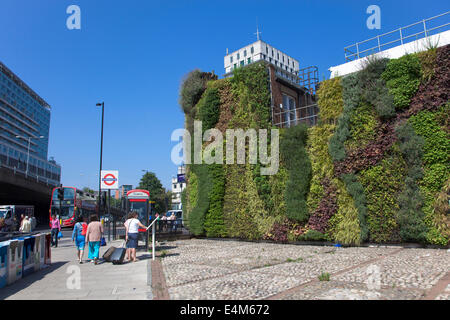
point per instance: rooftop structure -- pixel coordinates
(416, 37)
(258, 51)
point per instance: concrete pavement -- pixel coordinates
(66, 279)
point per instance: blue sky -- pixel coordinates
(133, 54)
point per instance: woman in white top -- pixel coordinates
(132, 235)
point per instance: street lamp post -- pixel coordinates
(147, 218)
(101, 158)
(28, 152)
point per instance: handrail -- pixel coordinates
(362, 53)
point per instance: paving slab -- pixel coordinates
(67, 279)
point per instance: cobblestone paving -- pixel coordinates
(214, 269)
(332, 290)
(410, 268)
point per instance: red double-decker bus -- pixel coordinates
(75, 203)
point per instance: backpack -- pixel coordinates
(84, 229)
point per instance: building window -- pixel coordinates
(270, 59)
(252, 50)
(231, 59)
(245, 53)
(278, 56)
(289, 62)
(249, 60)
(267, 50)
(238, 56)
(290, 114)
(235, 65)
(272, 53)
(242, 62)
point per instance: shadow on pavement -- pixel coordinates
(29, 280)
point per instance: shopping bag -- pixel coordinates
(103, 242)
(60, 235)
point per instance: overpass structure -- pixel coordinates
(20, 189)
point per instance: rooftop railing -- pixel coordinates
(400, 36)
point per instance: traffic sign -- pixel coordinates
(110, 179)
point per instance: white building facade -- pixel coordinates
(178, 185)
(257, 51)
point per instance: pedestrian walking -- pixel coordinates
(26, 225)
(132, 235)
(22, 217)
(56, 228)
(173, 221)
(129, 217)
(93, 238)
(79, 236)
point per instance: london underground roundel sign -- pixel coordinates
(110, 179)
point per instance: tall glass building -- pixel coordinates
(24, 130)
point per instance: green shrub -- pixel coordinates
(410, 216)
(402, 78)
(209, 108)
(382, 184)
(296, 160)
(324, 276)
(197, 215)
(351, 97)
(192, 87)
(312, 235)
(436, 167)
(373, 87)
(356, 191)
(214, 223)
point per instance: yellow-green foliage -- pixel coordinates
(344, 225)
(239, 202)
(251, 86)
(363, 123)
(330, 100)
(322, 165)
(277, 184)
(427, 62)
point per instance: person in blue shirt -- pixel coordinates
(79, 236)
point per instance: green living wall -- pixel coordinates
(375, 169)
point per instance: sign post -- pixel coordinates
(109, 181)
